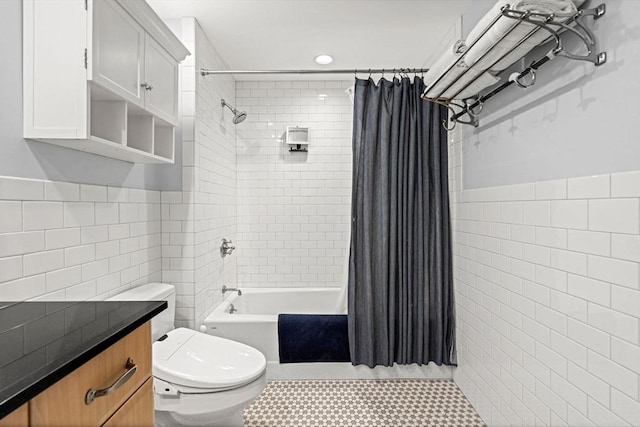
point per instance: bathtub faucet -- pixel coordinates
(232, 309)
(225, 290)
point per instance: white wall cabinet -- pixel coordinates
(101, 76)
(160, 81)
(117, 55)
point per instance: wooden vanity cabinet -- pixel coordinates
(129, 405)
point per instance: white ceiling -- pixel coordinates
(288, 34)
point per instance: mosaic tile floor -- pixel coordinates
(362, 403)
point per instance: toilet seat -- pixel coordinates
(199, 363)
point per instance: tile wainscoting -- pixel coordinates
(548, 298)
(65, 241)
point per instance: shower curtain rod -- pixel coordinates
(205, 72)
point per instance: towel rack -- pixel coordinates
(467, 110)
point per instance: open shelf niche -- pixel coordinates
(125, 131)
(163, 140)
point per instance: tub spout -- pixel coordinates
(225, 290)
(232, 309)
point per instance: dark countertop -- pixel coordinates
(41, 342)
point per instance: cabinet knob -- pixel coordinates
(93, 393)
(147, 86)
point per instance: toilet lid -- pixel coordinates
(195, 359)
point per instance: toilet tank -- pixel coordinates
(164, 321)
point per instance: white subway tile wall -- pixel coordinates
(51, 247)
(548, 313)
(195, 220)
(293, 207)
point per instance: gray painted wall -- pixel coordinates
(577, 120)
(32, 159)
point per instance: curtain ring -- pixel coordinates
(369, 72)
(383, 73)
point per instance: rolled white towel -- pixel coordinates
(562, 10)
(535, 40)
(451, 56)
(534, 37)
(484, 81)
(480, 81)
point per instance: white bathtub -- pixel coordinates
(256, 324)
(256, 320)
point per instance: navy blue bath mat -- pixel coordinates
(313, 338)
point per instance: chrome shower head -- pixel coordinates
(238, 116)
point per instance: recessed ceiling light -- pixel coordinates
(324, 59)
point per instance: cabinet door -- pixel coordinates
(17, 418)
(64, 403)
(118, 51)
(161, 82)
(137, 411)
(54, 74)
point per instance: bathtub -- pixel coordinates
(256, 320)
(256, 323)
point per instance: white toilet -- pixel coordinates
(198, 379)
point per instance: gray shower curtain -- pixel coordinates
(400, 275)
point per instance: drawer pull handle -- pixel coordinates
(93, 393)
